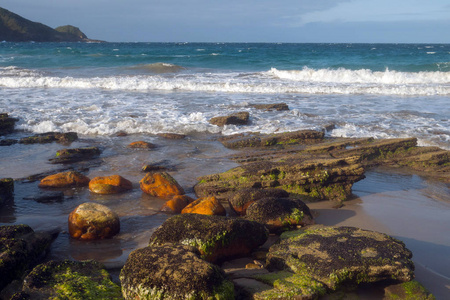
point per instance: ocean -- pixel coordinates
(99, 89)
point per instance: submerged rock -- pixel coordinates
(271, 106)
(6, 124)
(110, 184)
(49, 137)
(6, 189)
(20, 249)
(323, 259)
(280, 213)
(66, 156)
(172, 272)
(239, 118)
(70, 280)
(216, 237)
(141, 145)
(160, 184)
(65, 179)
(93, 221)
(172, 136)
(205, 206)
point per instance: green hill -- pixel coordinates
(14, 28)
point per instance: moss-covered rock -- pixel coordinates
(49, 137)
(66, 156)
(20, 249)
(172, 272)
(6, 123)
(240, 200)
(216, 237)
(271, 106)
(410, 290)
(70, 280)
(337, 256)
(280, 213)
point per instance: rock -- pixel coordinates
(239, 118)
(65, 179)
(46, 197)
(172, 136)
(280, 213)
(93, 221)
(326, 258)
(6, 124)
(205, 206)
(141, 145)
(113, 184)
(176, 204)
(411, 290)
(272, 106)
(325, 178)
(70, 280)
(241, 199)
(281, 139)
(20, 249)
(6, 189)
(8, 142)
(49, 137)
(66, 156)
(172, 272)
(160, 184)
(216, 237)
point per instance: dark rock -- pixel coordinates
(8, 142)
(172, 136)
(70, 280)
(66, 156)
(273, 106)
(280, 213)
(240, 200)
(49, 137)
(21, 248)
(6, 189)
(46, 197)
(6, 123)
(239, 118)
(172, 272)
(216, 237)
(323, 259)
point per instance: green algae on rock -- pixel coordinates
(173, 272)
(20, 249)
(66, 156)
(49, 137)
(216, 237)
(70, 280)
(411, 290)
(337, 256)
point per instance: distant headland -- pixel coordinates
(14, 28)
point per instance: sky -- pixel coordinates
(296, 21)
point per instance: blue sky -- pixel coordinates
(364, 21)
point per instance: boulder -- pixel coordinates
(322, 259)
(8, 142)
(176, 204)
(172, 272)
(6, 124)
(241, 199)
(239, 118)
(70, 280)
(205, 206)
(20, 249)
(216, 237)
(172, 136)
(141, 145)
(6, 189)
(160, 184)
(49, 137)
(66, 156)
(65, 179)
(280, 213)
(110, 184)
(93, 221)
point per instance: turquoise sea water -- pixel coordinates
(98, 89)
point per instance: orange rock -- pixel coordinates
(176, 204)
(160, 184)
(65, 179)
(205, 206)
(93, 221)
(142, 145)
(109, 185)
